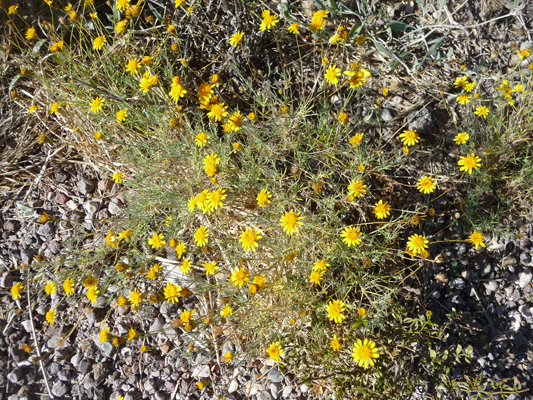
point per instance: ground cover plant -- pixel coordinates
(270, 199)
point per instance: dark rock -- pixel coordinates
(264, 395)
(105, 185)
(64, 374)
(54, 368)
(6, 280)
(422, 120)
(85, 186)
(26, 256)
(61, 176)
(525, 259)
(15, 376)
(84, 366)
(61, 198)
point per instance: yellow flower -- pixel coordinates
(201, 236)
(210, 268)
(98, 135)
(315, 277)
(177, 91)
(461, 138)
(290, 221)
(228, 357)
(172, 292)
(156, 241)
(321, 266)
(92, 294)
(146, 60)
(96, 104)
(90, 281)
(33, 109)
(482, 111)
(51, 316)
(523, 53)
(226, 311)
(364, 352)
(342, 118)
(357, 188)
(133, 65)
(461, 81)
(12, 10)
(332, 75)
(104, 335)
(68, 286)
(171, 28)
(335, 309)
(132, 333)
(239, 276)
(417, 243)
(237, 146)
(16, 289)
(361, 168)
(357, 139)
(470, 86)
(186, 266)
(381, 210)
(358, 78)
(121, 116)
(335, 344)
(426, 184)
(57, 46)
(205, 91)
(178, 3)
(518, 88)
(476, 238)
(93, 15)
(214, 199)
(54, 108)
(263, 198)
(50, 288)
(469, 162)
(269, 20)
(210, 165)
(45, 218)
(360, 40)
(201, 139)
(121, 25)
(293, 28)
(409, 137)
(118, 176)
(147, 81)
(249, 239)
(180, 249)
(463, 99)
(31, 33)
(122, 4)
(98, 43)
(275, 351)
(236, 38)
(125, 234)
(186, 316)
(217, 112)
(201, 201)
(351, 235)
(135, 297)
(361, 312)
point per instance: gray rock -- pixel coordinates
(75, 360)
(275, 389)
(233, 386)
(47, 230)
(388, 114)
(114, 209)
(91, 207)
(304, 388)
(85, 186)
(71, 205)
(275, 376)
(491, 286)
(53, 368)
(64, 375)
(84, 366)
(201, 371)
(27, 325)
(15, 375)
(264, 395)
(107, 349)
(525, 278)
(59, 389)
(157, 325)
(525, 259)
